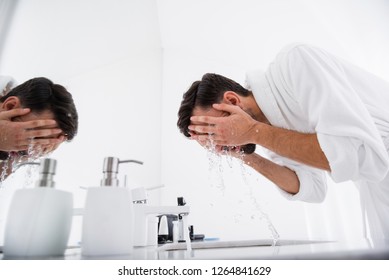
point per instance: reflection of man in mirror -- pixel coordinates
(35, 118)
(312, 112)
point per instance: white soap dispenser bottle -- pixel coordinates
(39, 219)
(108, 223)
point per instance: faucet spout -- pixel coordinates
(142, 211)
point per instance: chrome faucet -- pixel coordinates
(47, 168)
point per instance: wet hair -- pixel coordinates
(41, 94)
(204, 93)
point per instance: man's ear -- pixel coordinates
(232, 98)
(11, 102)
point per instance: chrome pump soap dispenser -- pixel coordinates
(39, 219)
(108, 215)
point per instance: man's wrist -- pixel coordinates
(259, 133)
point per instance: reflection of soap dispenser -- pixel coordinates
(108, 216)
(39, 219)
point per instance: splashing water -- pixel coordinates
(4, 171)
(229, 158)
(262, 215)
(34, 152)
(243, 169)
(215, 164)
(16, 160)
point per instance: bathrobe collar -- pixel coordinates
(256, 81)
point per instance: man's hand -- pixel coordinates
(17, 136)
(236, 129)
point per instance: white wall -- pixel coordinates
(229, 38)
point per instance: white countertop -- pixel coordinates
(254, 249)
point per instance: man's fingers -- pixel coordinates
(206, 138)
(22, 147)
(226, 107)
(36, 143)
(202, 129)
(41, 133)
(46, 141)
(37, 124)
(14, 113)
(206, 120)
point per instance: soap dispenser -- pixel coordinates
(39, 219)
(107, 227)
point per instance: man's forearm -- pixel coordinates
(283, 177)
(301, 147)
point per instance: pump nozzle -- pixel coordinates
(46, 172)
(111, 169)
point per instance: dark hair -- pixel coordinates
(204, 94)
(40, 94)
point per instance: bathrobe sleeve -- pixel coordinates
(313, 182)
(345, 129)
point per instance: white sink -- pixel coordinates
(234, 244)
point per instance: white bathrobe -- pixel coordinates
(309, 90)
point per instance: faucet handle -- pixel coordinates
(181, 201)
(140, 195)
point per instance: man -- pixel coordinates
(313, 112)
(35, 118)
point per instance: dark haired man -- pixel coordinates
(312, 112)
(36, 115)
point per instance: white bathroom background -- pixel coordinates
(128, 63)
